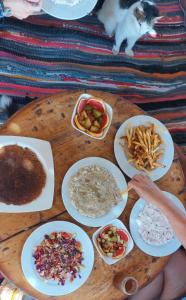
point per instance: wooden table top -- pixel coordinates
(49, 119)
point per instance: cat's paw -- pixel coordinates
(129, 52)
(115, 50)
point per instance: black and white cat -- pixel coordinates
(128, 20)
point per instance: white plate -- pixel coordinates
(153, 250)
(108, 110)
(44, 152)
(130, 244)
(67, 12)
(115, 211)
(168, 146)
(51, 287)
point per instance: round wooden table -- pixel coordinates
(49, 119)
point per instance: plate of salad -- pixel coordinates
(57, 258)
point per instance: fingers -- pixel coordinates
(20, 17)
(134, 182)
(140, 177)
(35, 7)
(130, 185)
(21, 9)
(34, 1)
(139, 180)
(32, 7)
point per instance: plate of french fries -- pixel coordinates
(144, 144)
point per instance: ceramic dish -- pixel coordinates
(108, 110)
(51, 287)
(153, 250)
(117, 223)
(120, 180)
(166, 159)
(44, 153)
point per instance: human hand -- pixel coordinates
(21, 9)
(146, 188)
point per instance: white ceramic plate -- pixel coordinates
(51, 287)
(108, 109)
(44, 152)
(67, 12)
(168, 147)
(152, 250)
(115, 211)
(130, 244)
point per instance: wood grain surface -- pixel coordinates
(50, 119)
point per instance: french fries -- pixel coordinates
(142, 145)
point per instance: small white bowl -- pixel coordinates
(117, 223)
(108, 109)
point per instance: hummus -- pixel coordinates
(94, 191)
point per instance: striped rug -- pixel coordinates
(43, 55)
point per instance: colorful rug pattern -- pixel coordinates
(43, 55)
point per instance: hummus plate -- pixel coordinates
(114, 212)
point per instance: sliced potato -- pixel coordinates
(94, 129)
(83, 115)
(96, 113)
(86, 123)
(143, 147)
(96, 123)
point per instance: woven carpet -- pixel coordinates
(43, 55)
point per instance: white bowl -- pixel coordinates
(108, 109)
(130, 245)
